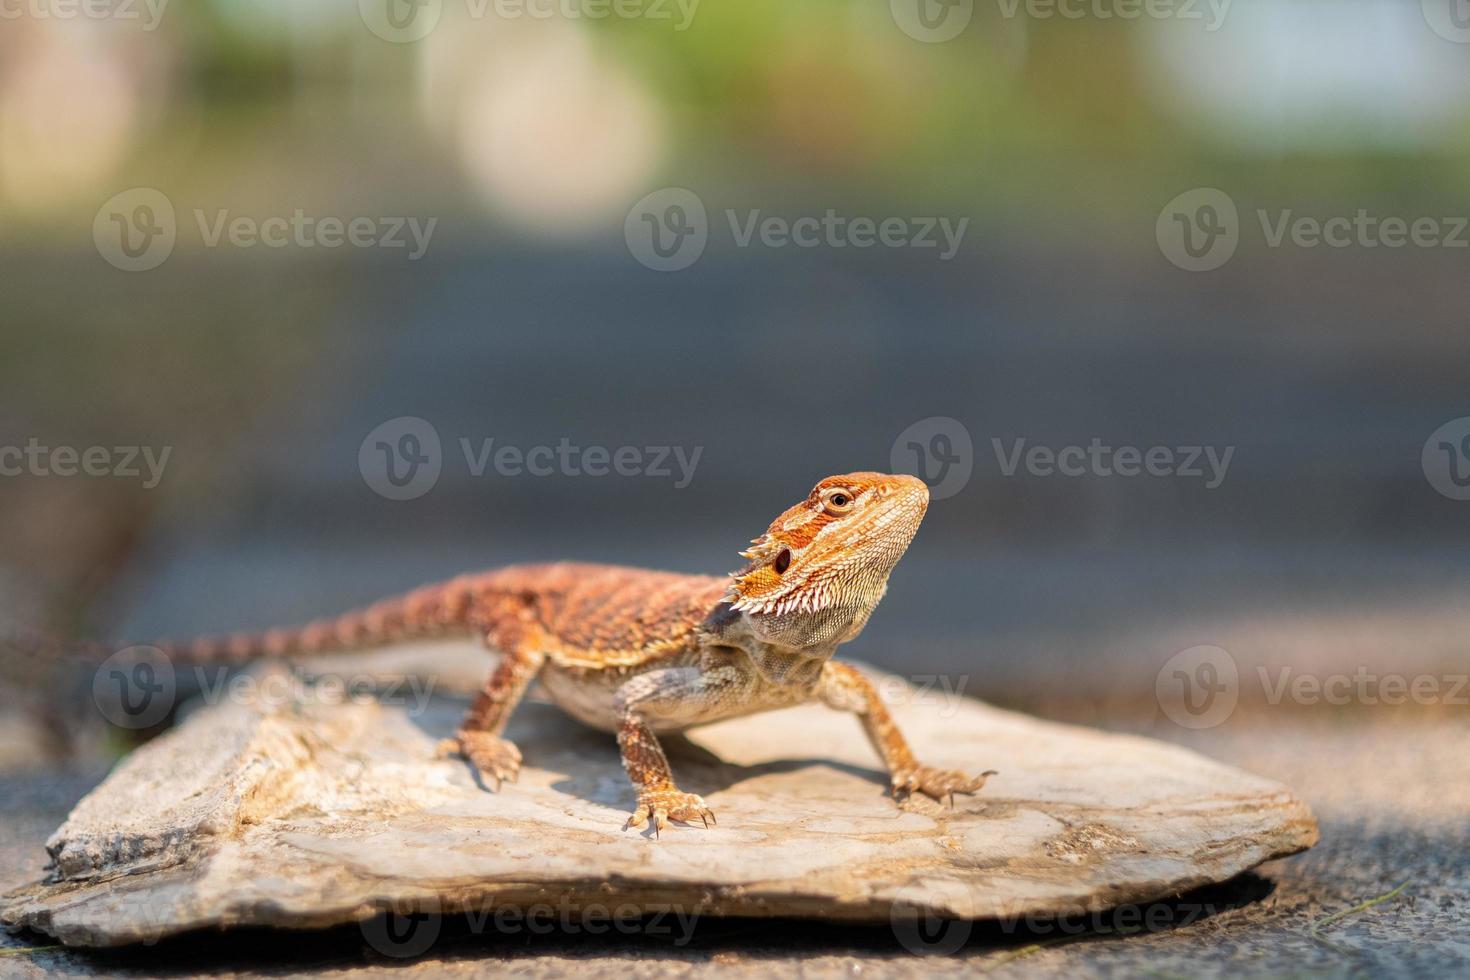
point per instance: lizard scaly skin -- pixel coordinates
(641, 653)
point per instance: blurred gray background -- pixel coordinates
(1064, 143)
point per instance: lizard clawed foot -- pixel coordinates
(492, 755)
(938, 783)
(661, 806)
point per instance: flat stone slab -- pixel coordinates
(293, 813)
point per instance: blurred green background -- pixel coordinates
(529, 138)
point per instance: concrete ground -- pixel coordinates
(1390, 791)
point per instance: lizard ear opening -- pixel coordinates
(783, 561)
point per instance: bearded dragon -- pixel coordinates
(642, 653)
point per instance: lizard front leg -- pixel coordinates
(846, 689)
(684, 695)
(478, 738)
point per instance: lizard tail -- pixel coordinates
(445, 609)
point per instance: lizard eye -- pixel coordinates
(838, 503)
(783, 561)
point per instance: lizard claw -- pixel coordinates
(938, 783)
(661, 806)
(492, 755)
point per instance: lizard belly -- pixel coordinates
(591, 696)
(587, 695)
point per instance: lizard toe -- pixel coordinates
(689, 812)
(492, 755)
(904, 782)
(944, 783)
(662, 806)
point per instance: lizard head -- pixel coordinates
(820, 568)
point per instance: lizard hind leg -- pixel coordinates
(479, 737)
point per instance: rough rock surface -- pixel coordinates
(294, 813)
